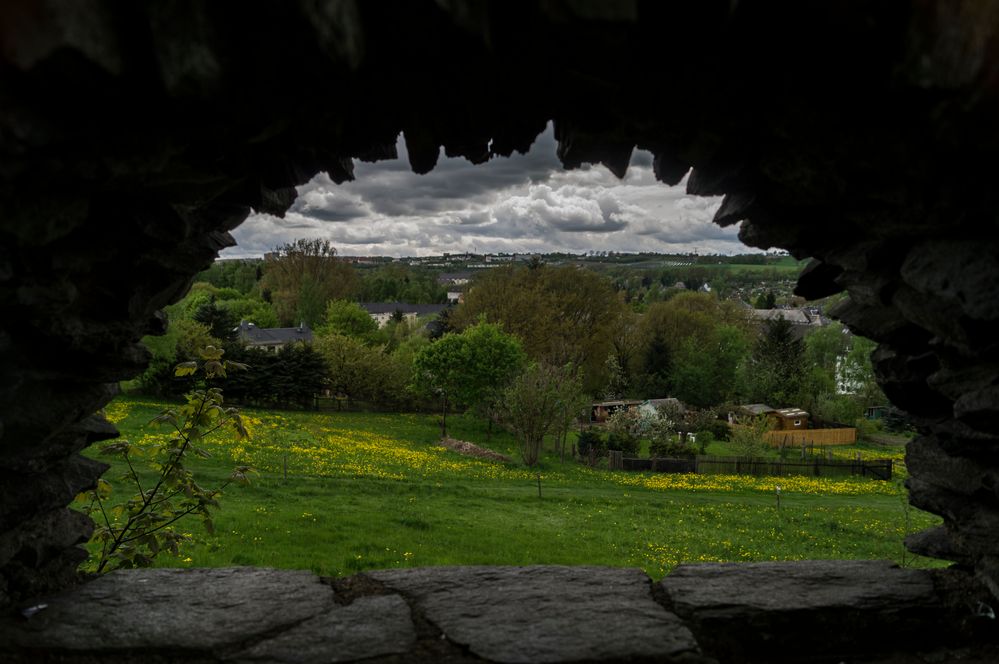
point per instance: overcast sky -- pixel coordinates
(526, 203)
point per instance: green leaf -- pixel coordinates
(214, 368)
(117, 447)
(211, 353)
(103, 490)
(185, 368)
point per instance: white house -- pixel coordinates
(383, 312)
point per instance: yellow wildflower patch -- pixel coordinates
(792, 484)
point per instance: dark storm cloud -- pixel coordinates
(524, 203)
(451, 180)
(322, 200)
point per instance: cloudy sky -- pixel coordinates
(526, 203)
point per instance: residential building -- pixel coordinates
(383, 312)
(272, 338)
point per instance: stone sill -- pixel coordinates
(808, 611)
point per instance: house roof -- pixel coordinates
(794, 316)
(618, 402)
(668, 401)
(272, 336)
(757, 408)
(404, 307)
(791, 412)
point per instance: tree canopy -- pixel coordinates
(302, 277)
(465, 368)
(348, 318)
(563, 315)
(775, 372)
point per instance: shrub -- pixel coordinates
(623, 428)
(670, 448)
(590, 439)
(133, 532)
(719, 430)
(625, 441)
(748, 438)
(704, 438)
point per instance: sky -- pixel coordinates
(521, 204)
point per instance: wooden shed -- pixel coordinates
(789, 419)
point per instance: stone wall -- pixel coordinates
(826, 611)
(133, 136)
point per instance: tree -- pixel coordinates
(563, 315)
(542, 400)
(134, 532)
(468, 367)
(290, 377)
(857, 372)
(747, 438)
(655, 367)
(182, 342)
(623, 428)
(218, 319)
(824, 349)
(691, 347)
(706, 367)
(356, 371)
(350, 319)
(255, 311)
(765, 300)
(775, 371)
(302, 277)
(241, 275)
(617, 380)
(401, 283)
(824, 346)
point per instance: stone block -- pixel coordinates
(546, 613)
(818, 610)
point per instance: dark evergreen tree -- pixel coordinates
(290, 377)
(656, 367)
(775, 372)
(219, 320)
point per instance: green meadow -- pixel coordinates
(339, 492)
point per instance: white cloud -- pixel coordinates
(525, 203)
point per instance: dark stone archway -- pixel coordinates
(134, 136)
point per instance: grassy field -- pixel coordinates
(368, 491)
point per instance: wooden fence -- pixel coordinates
(823, 437)
(880, 469)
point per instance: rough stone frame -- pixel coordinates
(134, 136)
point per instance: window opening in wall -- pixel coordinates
(434, 350)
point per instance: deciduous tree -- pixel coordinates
(563, 315)
(356, 371)
(350, 319)
(303, 276)
(468, 367)
(542, 400)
